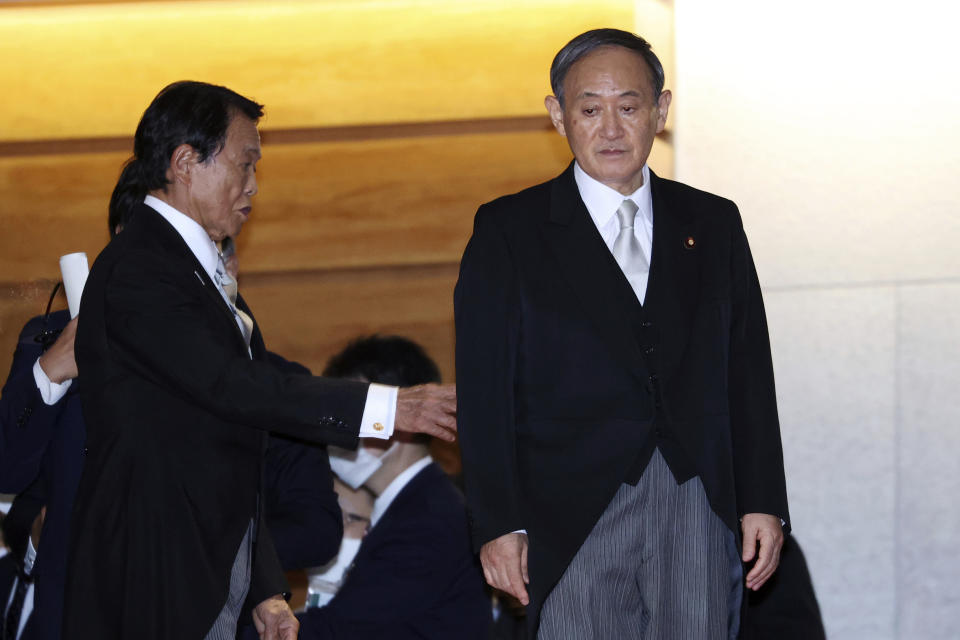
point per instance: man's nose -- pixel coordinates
(610, 126)
(252, 188)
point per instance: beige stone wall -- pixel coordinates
(834, 127)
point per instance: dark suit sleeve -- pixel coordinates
(758, 454)
(487, 322)
(154, 330)
(410, 567)
(27, 424)
(266, 577)
(302, 510)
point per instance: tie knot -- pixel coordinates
(627, 213)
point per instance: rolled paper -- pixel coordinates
(74, 269)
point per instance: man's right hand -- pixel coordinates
(274, 620)
(504, 561)
(428, 408)
(58, 362)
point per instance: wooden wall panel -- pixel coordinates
(310, 316)
(321, 205)
(84, 71)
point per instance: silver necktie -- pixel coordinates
(229, 286)
(627, 251)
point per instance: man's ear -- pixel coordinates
(663, 108)
(556, 114)
(182, 162)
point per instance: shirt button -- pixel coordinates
(378, 426)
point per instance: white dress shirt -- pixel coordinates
(51, 392)
(379, 411)
(383, 501)
(602, 202)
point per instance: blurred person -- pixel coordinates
(42, 438)
(324, 582)
(21, 531)
(785, 607)
(416, 555)
(168, 535)
(618, 422)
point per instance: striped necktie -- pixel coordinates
(229, 286)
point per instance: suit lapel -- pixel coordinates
(189, 263)
(674, 283)
(591, 271)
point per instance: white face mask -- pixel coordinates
(325, 581)
(355, 467)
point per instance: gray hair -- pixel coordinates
(591, 40)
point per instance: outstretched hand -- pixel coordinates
(428, 408)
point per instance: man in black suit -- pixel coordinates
(42, 437)
(616, 403)
(416, 557)
(168, 533)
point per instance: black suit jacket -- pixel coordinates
(176, 413)
(414, 576)
(302, 511)
(556, 395)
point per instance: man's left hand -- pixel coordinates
(766, 530)
(274, 620)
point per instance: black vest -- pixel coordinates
(644, 322)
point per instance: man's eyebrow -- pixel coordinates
(632, 93)
(255, 150)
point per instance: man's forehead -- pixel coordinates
(623, 67)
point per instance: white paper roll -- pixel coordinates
(74, 269)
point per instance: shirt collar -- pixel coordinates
(602, 202)
(393, 489)
(192, 233)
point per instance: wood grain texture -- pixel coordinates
(312, 63)
(398, 201)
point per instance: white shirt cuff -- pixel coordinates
(50, 391)
(379, 412)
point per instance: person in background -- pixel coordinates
(786, 606)
(21, 531)
(323, 582)
(417, 553)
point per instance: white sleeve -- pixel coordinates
(379, 412)
(50, 391)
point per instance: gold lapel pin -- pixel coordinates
(689, 243)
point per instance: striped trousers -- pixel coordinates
(658, 565)
(225, 626)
